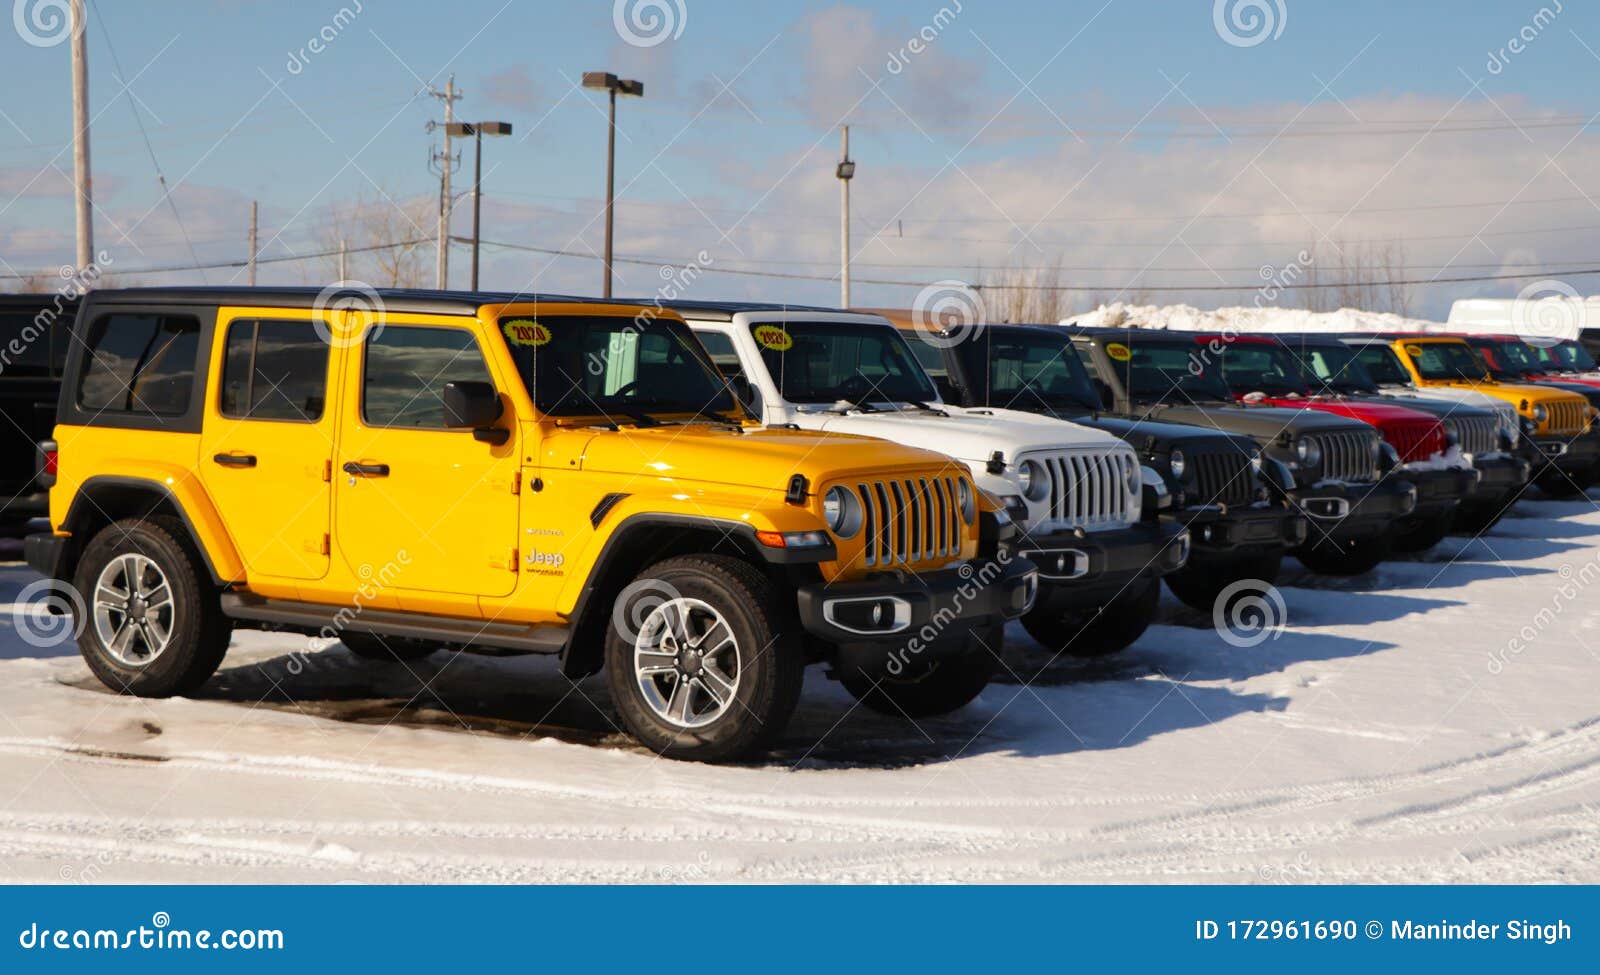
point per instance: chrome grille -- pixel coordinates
(1479, 434)
(1087, 489)
(910, 520)
(1223, 477)
(1566, 417)
(1347, 456)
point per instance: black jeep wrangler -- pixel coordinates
(33, 345)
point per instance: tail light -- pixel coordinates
(48, 455)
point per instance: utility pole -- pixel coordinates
(446, 163)
(80, 142)
(253, 214)
(845, 172)
(344, 247)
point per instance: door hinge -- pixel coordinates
(510, 563)
(327, 470)
(516, 488)
(318, 546)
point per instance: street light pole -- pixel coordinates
(613, 86)
(477, 130)
(81, 179)
(846, 172)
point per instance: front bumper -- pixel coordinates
(1082, 569)
(1440, 489)
(1573, 456)
(1342, 513)
(895, 608)
(1221, 530)
(1500, 476)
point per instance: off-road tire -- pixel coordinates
(1475, 518)
(1425, 533)
(386, 649)
(199, 633)
(772, 665)
(1348, 559)
(1561, 486)
(1091, 634)
(936, 687)
(1198, 584)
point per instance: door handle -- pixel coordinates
(366, 470)
(235, 460)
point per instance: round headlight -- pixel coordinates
(1528, 426)
(1178, 463)
(1540, 414)
(1035, 482)
(969, 504)
(842, 510)
(1452, 434)
(1308, 452)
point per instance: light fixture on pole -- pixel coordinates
(477, 130)
(614, 86)
(846, 171)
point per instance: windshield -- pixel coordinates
(1569, 356)
(1336, 367)
(590, 365)
(1256, 367)
(1512, 358)
(1031, 370)
(1449, 361)
(1158, 371)
(1382, 364)
(832, 362)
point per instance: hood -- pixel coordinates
(760, 458)
(1259, 422)
(970, 434)
(1159, 435)
(1452, 394)
(1368, 411)
(1445, 409)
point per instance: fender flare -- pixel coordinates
(211, 541)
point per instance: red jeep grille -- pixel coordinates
(1415, 440)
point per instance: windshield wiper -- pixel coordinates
(927, 407)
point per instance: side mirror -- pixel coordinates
(1108, 399)
(474, 406)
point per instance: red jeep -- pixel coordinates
(1260, 371)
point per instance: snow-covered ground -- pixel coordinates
(1391, 733)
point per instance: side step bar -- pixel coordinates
(474, 636)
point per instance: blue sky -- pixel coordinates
(1146, 151)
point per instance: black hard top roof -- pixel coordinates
(417, 300)
(46, 300)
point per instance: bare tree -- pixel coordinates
(390, 241)
(1025, 294)
(1367, 276)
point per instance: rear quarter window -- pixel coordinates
(139, 363)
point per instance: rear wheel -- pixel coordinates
(154, 625)
(933, 688)
(1345, 558)
(371, 646)
(700, 659)
(1198, 584)
(1424, 533)
(1096, 633)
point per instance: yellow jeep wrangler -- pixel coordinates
(409, 471)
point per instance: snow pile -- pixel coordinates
(1187, 318)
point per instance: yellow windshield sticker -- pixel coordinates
(1414, 350)
(1118, 351)
(526, 331)
(773, 337)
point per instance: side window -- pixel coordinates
(274, 371)
(406, 369)
(135, 363)
(931, 359)
(722, 353)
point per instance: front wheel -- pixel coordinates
(1561, 485)
(1475, 518)
(1198, 584)
(934, 688)
(700, 659)
(1096, 633)
(155, 626)
(1345, 558)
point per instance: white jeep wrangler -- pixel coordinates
(1086, 507)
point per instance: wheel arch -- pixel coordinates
(103, 499)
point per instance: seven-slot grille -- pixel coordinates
(1347, 456)
(1089, 490)
(1223, 476)
(1565, 417)
(1415, 440)
(1479, 434)
(911, 520)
